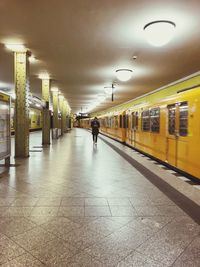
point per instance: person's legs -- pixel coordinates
(93, 137)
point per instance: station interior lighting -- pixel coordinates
(35, 101)
(13, 96)
(61, 97)
(160, 32)
(6, 86)
(54, 89)
(44, 76)
(32, 59)
(124, 74)
(16, 47)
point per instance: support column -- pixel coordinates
(45, 112)
(61, 106)
(68, 117)
(64, 118)
(55, 114)
(21, 74)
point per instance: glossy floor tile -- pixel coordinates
(76, 204)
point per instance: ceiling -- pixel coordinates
(82, 43)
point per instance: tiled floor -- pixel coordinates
(75, 204)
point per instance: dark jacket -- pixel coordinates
(95, 126)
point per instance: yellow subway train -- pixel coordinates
(35, 119)
(168, 129)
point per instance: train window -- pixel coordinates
(38, 120)
(126, 122)
(183, 119)
(113, 122)
(171, 119)
(120, 122)
(155, 120)
(110, 122)
(145, 121)
(116, 121)
(133, 120)
(136, 120)
(106, 122)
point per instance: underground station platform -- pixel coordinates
(79, 204)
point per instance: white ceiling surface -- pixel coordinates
(81, 43)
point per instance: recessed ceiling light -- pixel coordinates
(32, 59)
(54, 89)
(124, 74)
(16, 47)
(61, 96)
(160, 32)
(44, 76)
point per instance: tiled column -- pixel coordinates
(61, 105)
(45, 112)
(64, 117)
(55, 110)
(21, 74)
(68, 116)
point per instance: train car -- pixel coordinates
(111, 125)
(35, 119)
(168, 130)
(85, 123)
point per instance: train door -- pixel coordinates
(126, 127)
(123, 126)
(134, 127)
(128, 132)
(171, 155)
(177, 131)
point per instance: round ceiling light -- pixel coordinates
(124, 74)
(160, 32)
